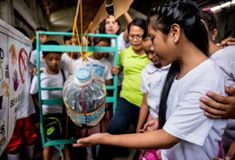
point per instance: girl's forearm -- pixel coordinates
(158, 139)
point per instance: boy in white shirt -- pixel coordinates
(153, 78)
(51, 76)
(98, 63)
(103, 42)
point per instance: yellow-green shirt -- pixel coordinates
(88, 54)
(132, 65)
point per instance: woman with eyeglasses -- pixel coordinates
(131, 61)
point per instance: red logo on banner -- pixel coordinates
(22, 60)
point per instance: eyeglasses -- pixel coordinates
(147, 38)
(137, 37)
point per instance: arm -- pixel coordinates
(128, 20)
(158, 139)
(219, 106)
(143, 114)
(127, 17)
(115, 70)
(231, 151)
(35, 99)
(108, 82)
(228, 42)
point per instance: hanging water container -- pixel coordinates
(84, 96)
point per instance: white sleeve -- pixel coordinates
(34, 86)
(144, 87)
(122, 44)
(32, 57)
(225, 60)
(108, 73)
(188, 121)
(63, 62)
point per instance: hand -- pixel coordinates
(91, 140)
(139, 130)
(228, 42)
(115, 70)
(151, 125)
(34, 71)
(231, 152)
(219, 107)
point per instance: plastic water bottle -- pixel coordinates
(84, 97)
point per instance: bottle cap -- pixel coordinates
(83, 75)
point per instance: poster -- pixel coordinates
(14, 51)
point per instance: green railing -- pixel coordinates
(59, 144)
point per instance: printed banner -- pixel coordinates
(14, 50)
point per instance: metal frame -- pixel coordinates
(59, 144)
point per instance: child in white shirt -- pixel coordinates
(152, 80)
(51, 76)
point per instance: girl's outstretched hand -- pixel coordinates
(91, 140)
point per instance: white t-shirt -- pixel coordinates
(108, 68)
(225, 59)
(122, 44)
(33, 59)
(67, 63)
(199, 135)
(49, 80)
(26, 106)
(152, 82)
(102, 70)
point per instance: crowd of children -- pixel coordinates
(168, 67)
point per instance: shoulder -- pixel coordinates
(64, 56)
(148, 70)
(206, 70)
(35, 79)
(64, 73)
(224, 56)
(206, 77)
(126, 52)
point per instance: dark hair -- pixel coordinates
(186, 14)
(210, 20)
(98, 39)
(65, 38)
(174, 69)
(41, 29)
(103, 23)
(50, 42)
(140, 23)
